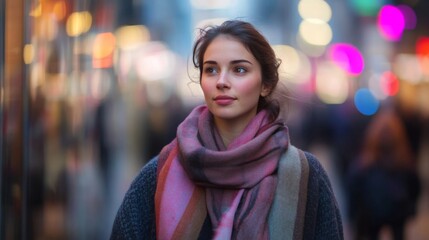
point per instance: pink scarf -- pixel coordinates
(235, 185)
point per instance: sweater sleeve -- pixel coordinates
(135, 217)
(322, 218)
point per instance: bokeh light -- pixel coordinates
(103, 48)
(389, 83)
(367, 7)
(60, 10)
(391, 23)
(309, 49)
(315, 9)
(365, 102)
(407, 68)
(332, 84)
(28, 53)
(155, 62)
(315, 32)
(78, 23)
(422, 46)
(347, 57)
(295, 66)
(422, 50)
(129, 37)
(409, 16)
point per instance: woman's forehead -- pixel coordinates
(226, 46)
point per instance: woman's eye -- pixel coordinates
(210, 70)
(240, 70)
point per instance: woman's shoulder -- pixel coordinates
(319, 182)
(147, 173)
(313, 162)
(145, 180)
(134, 218)
(316, 168)
(322, 206)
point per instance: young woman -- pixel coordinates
(231, 172)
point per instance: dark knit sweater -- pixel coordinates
(136, 216)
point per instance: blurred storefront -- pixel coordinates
(92, 89)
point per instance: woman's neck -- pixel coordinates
(229, 130)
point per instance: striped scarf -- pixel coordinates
(234, 185)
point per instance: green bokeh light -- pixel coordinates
(367, 7)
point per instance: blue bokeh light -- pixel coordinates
(365, 102)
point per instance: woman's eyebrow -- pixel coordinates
(241, 61)
(209, 62)
(232, 62)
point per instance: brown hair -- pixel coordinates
(256, 43)
(386, 137)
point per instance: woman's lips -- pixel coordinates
(223, 100)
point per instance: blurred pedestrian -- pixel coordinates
(384, 185)
(231, 172)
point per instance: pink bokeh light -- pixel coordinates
(347, 57)
(391, 23)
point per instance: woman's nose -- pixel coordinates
(222, 81)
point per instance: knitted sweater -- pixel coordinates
(136, 216)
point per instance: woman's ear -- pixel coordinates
(265, 91)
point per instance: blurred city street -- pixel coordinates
(91, 90)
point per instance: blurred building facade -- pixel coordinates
(92, 89)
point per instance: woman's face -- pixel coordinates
(231, 81)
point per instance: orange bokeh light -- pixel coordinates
(103, 48)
